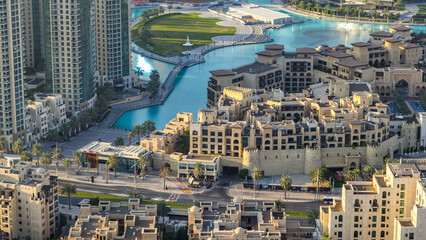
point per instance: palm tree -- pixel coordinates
(198, 170)
(18, 147)
(325, 236)
(3, 144)
(164, 172)
(149, 124)
(113, 163)
(67, 163)
(313, 216)
(135, 194)
(57, 155)
(256, 174)
(78, 160)
(367, 172)
(68, 189)
(285, 182)
(37, 151)
(380, 172)
(142, 163)
(130, 136)
(26, 156)
(138, 130)
(169, 7)
(279, 205)
(46, 159)
(350, 175)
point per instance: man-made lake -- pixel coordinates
(190, 91)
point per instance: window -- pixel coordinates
(340, 218)
(401, 211)
(401, 203)
(402, 195)
(402, 186)
(374, 218)
(373, 234)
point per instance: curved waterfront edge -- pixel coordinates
(339, 19)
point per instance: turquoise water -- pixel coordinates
(136, 12)
(148, 64)
(190, 91)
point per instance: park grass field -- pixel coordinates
(422, 9)
(170, 30)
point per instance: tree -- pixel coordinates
(46, 159)
(160, 9)
(312, 216)
(198, 170)
(26, 156)
(163, 173)
(144, 33)
(94, 201)
(169, 7)
(130, 136)
(243, 173)
(68, 189)
(367, 172)
(119, 141)
(113, 163)
(162, 210)
(149, 125)
(52, 135)
(279, 205)
(142, 163)
(3, 145)
(380, 171)
(154, 82)
(136, 194)
(77, 157)
(138, 130)
(256, 174)
(18, 147)
(320, 174)
(285, 182)
(325, 236)
(182, 143)
(350, 175)
(182, 233)
(37, 151)
(57, 155)
(67, 163)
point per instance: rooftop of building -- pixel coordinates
(401, 28)
(306, 50)
(254, 68)
(338, 54)
(381, 34)
(269, 53)
(222, 72)
(360, 187)
(361, 44)
(106, 148)
(392, 40)
(408, 45)
(403, 169)
(274, 46)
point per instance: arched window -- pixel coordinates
(375, 202)
(357, 202)
(340, 218)
(236, 135)
(267, 135)
(308, 74)
(287, 74)
(356, 131)
(294, 74)
(373, 234)
(194, 132)
(236, 141)
(355, 234)
(384, 194)
(267, 142)
(382, 234)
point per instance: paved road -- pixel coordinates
(409, 12)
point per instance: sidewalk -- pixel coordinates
(266, 195)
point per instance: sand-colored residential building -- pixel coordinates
(115, 220)
(45, 113)
(165, 140)
(241, 220)
(29, 202)
(391, 206)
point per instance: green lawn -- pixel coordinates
(422, 9)
(170, 31)
(297, 214)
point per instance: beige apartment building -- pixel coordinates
(242, 220)
(29, 202)
(12, 104)
(273, 69)
(391, 206)
(117, 220)
(165, 140)
(45, 113)
(70, 59)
